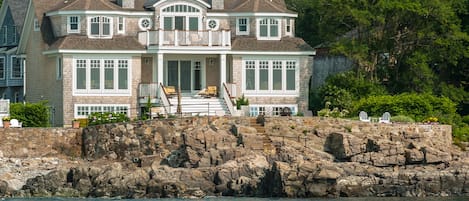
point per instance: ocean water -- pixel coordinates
(253, 199)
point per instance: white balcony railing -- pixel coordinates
(185, 38)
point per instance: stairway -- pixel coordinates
(267, 142)
(200, 106)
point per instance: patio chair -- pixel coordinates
(386, 118)
(14, 123)
(170, 91)
(364, 116)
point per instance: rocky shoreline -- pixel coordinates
(288, 157)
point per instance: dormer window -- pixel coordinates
(73, 24)
(242, 26)
(268, 29)
(100, 27)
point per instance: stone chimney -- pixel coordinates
(126, 3)
(218, 4)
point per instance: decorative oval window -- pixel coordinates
(212, 24)
(144, 23)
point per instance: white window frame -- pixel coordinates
(37, 27)
(2, 75)
(270, 91)
(69, 24)
(140, 25)
(102, 91)
(238, 32)
(289, 24)
(121, 25)
(217, 26)
(196, 11)
(59, 68)
(11, 67)
(269, 31)
(268, 110)
(100, 34)
(91, 108)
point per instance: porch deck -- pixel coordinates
(177, 38)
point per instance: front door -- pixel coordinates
(179, 75)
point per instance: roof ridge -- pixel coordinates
(242, 4)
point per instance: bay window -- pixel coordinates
(270, 77)
(101, 76)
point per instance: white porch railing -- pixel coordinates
(228, 101)
(185, 38)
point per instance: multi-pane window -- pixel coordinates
(37, 27)
(73, 24)
(271, 76)
(59, 69)
(102, 76)
(288, 27)
(2, 67)
(16, 70)
(100, 27)
(4, 34)
(123, 74)
(250, 75)
(108, 74)
(263, 75)
(181, 9)
(121, 25)
(85, 110)
(268, 28)
(242, 27)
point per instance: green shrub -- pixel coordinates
(461, 133)
(402, 119)
(465, 119)
(98, 118)
(31, 114)
(241, 101)
(416, 106)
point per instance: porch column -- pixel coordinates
(222, 70)
(160, 68)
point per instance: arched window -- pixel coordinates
(181, 17)
(180, 8)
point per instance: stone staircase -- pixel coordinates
(269, 148)
(200, 106)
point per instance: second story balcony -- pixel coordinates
(181, 39)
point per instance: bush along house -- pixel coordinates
(193, 57)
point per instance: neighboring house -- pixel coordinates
(87, 56)
(12, 16)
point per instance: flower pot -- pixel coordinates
(75, 124)
(6, 124)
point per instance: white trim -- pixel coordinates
(199, 1)
(75, 108)
(217, 26)
(140, 25)
(269, 31)
(103, 12)
(102, 91)
(289, 23)
(69, 51)
(11, 68)
(295, 53)
(69, 30)
(271, 106)
(212, 14)
(100, 35)
(248, 25)
(37, 26)
(270, 92)
(59, 68)
(123, 24)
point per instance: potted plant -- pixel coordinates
(76, 123)
(6, 122)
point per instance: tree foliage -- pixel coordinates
(408, 46)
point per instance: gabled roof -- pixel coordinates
(18, 9)
(86, 5)
(286, 44)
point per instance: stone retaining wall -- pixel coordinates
(40, 142)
